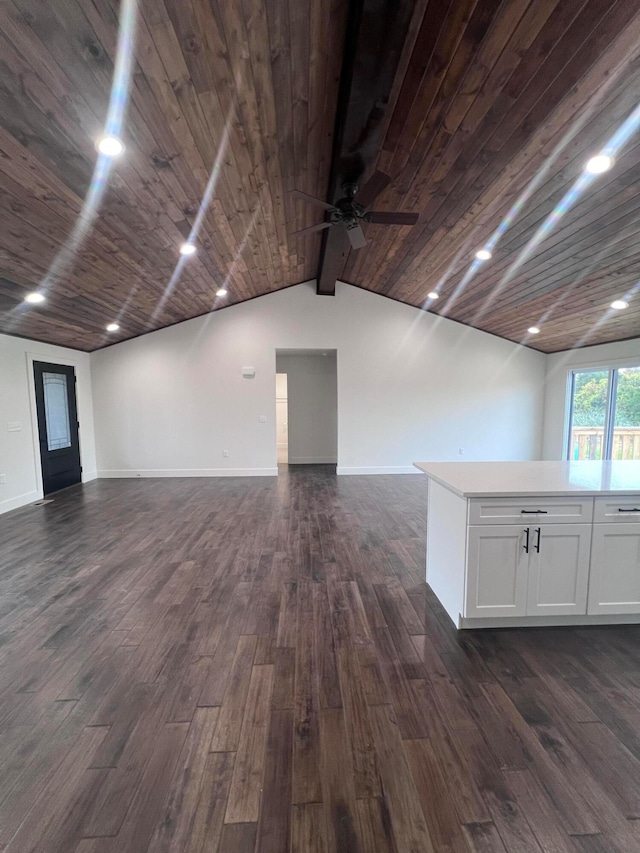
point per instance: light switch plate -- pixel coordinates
(263, 419)
(14, 426)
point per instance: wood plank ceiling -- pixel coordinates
(490, 100)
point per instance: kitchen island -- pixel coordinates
(534, 543)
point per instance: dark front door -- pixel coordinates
(57, 425)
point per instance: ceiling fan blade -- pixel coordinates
(356, 237)
(304, 231)
(310, 199)
(372, 188)
(390, 217)
(335, 251)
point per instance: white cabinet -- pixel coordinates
(558, 569)
(572, 510)
(496, 571)
(527, 571)
(614, 585)
(625, 508)
(521, 560)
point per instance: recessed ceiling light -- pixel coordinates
(533, 330)
(599, 164)
(113, 327)
(433, 295)
(483, 254)
(187, 249)
(34, 297)
(221, 292)
(110, 146)
(619, 304)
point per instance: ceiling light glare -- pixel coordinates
(619, 304)
(221, 292)
(483, 254)
(433, 295)
(599, 164)
(533, 330)
(113, 327)
(187, 249)
(110, 146)
(34, 298)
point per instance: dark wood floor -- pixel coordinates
(240, 665)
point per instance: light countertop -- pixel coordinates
(507, 479)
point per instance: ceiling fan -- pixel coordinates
(350, 210)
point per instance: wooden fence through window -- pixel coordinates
(586, 443)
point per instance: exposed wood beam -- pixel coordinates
(375, 37)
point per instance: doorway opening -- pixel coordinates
(282, 423)
(307, 407)
(57, 413)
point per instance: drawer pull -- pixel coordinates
(534, 512)
(632, 509)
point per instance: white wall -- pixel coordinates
(313, 406)
(410, 387)
(19, 451)
(559, 366)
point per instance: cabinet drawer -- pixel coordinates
(621, 508)
(530, 510)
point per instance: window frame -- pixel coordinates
(612, 369)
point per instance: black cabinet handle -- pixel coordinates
(526, 544)
(633, 509)
(534, 512)
(538, 540)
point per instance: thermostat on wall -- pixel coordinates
(248, 372)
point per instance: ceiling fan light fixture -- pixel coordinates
(619, 304)
(483, 254)
(187, 249)
(110, 146)
(34, 298)
(599, 164)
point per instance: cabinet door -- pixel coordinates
(496, 571)
(614, 582)
(558, 569)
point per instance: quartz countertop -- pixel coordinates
(510, 479)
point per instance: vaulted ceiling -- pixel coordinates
(481, 114)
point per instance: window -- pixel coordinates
(56, 409)
(604, 420)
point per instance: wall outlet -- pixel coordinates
(461, 451)
(3, 479)
(225, 453)
(263, 419)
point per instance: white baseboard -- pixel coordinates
(88, 476)
(549, 621)
(312, 460)
(188, 472)
(21, 500)
(378, 469)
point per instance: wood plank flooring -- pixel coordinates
(246, 665)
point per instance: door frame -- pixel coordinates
(35, 431)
